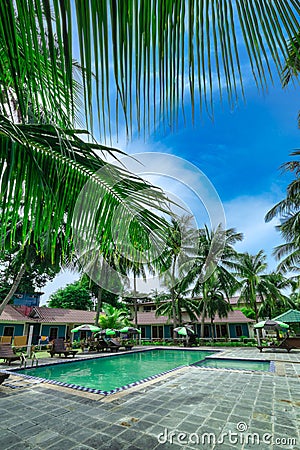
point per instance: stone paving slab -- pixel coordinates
(196, 408)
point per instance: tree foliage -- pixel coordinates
(76, 295)
(115, 318)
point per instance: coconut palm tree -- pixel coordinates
(255, 282)
(141, 49)
(288, 210)
(212, 270)
(181, 302)
(178, 258)
(213, 301)
(46, 160)
(274, 305)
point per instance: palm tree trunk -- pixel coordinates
(99, 305)
(135, 300)
(99, 293)
(173, 295)
(256, 311)
(13, 288)
(202, 321)
(212, 328)
(180, 315)
(203, 314)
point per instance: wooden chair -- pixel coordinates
(7, 353)
(5, 339)
(288, 344)
(20, 341)
(59, 348)
(3, 377)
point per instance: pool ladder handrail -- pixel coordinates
(23, 360)
(34, 358)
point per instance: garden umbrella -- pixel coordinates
(86, 327)
(108, 332)
(184, 331)
(129, 330)
(271, 325)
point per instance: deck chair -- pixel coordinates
(59, 348)
(5, 339)
(7, 353)
(113, 345)
(20, 341)
(3, 377)
(287, 344)
(102, 345)
(291, 342)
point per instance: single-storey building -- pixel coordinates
(14, 322)
(235, 325)
(51, 322)
(58, 323)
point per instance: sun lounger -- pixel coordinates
(288, 344)
(59, 348)
(3, 377)
(102, 345)
(113, 345)
(7, 353)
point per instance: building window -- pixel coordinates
(53, 333)
(8, 331)
(157, 332)
(238, 330)
(221, 331)
(83, 335)
(149, 308)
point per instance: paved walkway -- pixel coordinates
(193, 408)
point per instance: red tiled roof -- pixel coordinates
(233, 317)
(61, 315)
(12, 314)
(149, 318)
(233, 301)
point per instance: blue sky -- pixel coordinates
(240, 152)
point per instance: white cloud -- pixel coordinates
(247, 214)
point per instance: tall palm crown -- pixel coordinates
(288, 210)
(211, 276)
(254, 281)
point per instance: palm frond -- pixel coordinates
(43, 171)
(141, 60)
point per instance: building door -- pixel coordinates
(157, 332)
(53, 332)
(222, 331)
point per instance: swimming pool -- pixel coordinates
(236, 364)
(110, 374)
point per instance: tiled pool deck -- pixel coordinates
(244, 410)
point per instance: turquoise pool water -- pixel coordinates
(237, 364)
(112, 372)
